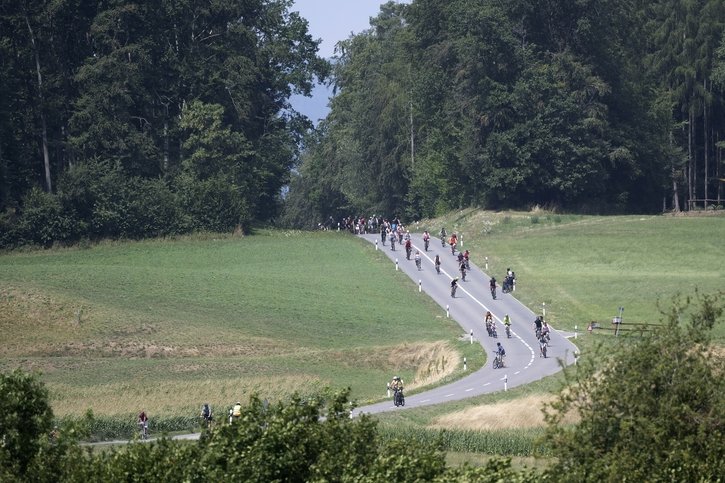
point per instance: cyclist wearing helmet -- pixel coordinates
(396, 384)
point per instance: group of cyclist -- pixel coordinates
(541, 330)
(395, 232)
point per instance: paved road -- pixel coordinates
(473, 299)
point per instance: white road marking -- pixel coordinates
(469, 389)
(460, 288)
(449, 395)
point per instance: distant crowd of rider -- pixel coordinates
(359, 225)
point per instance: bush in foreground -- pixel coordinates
(655, 411)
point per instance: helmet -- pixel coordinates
(396, 378)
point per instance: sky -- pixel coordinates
(331, 21)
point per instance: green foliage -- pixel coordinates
(508, 105)
(44, 220)
(25, 421)
(298, 440)
(652, 410)
(138, 91)
(111, 204)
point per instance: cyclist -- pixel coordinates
(489, 323)
(537, 325)
(408, 248)
(426, 239)
(453, 242)
(507, 325)
(235, 412)
(143, 424)
(500, 350)
(396, 384)
(492, 285)
(397, 387)
(466, 256)
(545, 330)
(437, 263)
(206, 415)
(500, 353)
(454, 286)
(542, 345)
(417, 259)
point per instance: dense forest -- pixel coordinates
(134, 119)
(131, 119)
(600, 106)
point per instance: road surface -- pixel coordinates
(472, 300)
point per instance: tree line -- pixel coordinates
(135, 119)
(649, 409)
(594, 106)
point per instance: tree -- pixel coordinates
(25, 420)
(651, 410)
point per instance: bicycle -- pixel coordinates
(143, 429)
(398, 398)
(498, 361)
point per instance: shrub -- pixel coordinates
(44, 221)
(213, 204)
(25, 418)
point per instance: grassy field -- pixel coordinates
(167, 325)
(583, 268)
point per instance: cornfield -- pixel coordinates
(505, 443)
(105, 428)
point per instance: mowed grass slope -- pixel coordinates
(167, 325)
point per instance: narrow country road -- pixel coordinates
(473, 299)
